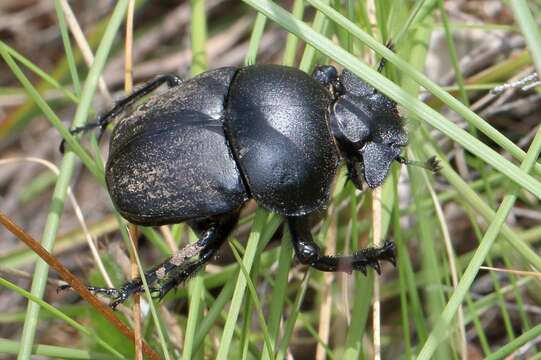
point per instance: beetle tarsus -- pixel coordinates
(309, 253)
(432, 164)
(118, 295)
(108, 292)
(371, 256)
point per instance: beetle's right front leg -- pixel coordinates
(309, 253)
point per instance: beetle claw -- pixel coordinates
(392, 260)
(376, 266)
(433, 164)
(372, 257)
(362, 269)
(387, 252)
(61, 288)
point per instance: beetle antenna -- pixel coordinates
(431, 164)
(383, 61)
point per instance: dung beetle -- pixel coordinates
(200, 150)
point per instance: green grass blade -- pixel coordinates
(50, 351)
(199, 37)
(256, 301)
(227, 290)
(412, 104)
(196, 292)
(414, 74)
(290, 322)
(240, 288)
(276, 305)
(70, 58)
(66, 171)
(153, 311)
(533, 38)
(214, 312)
(292, 41)
(57, 313)
(512, 346)
(530, 30)
(320, 25)
(255, 39)
(42, 74)
(50, 115)
(195, 285)
(439, 331)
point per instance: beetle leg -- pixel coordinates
(178, 275)
(389, 45)
(309, 253)
(175, 270)
(121, 105)
(213, 231)
(353, 173)
(432, 164)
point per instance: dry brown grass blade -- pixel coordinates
(511, 271)
(136, 307)
(74, 282)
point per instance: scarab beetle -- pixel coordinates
(200, 150)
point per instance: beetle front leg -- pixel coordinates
(309, 253)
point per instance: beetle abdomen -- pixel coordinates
(278, 129)
(183, 169)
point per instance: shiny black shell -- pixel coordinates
(206, 146)
(277, 123)
(169, 160)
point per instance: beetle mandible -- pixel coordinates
(200, 150)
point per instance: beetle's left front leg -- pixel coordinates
(309, 253)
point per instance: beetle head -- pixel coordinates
(366, 125)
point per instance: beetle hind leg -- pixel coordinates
(123, 104)
(309, 253)
(161, 279)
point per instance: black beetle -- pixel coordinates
(198, 151)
